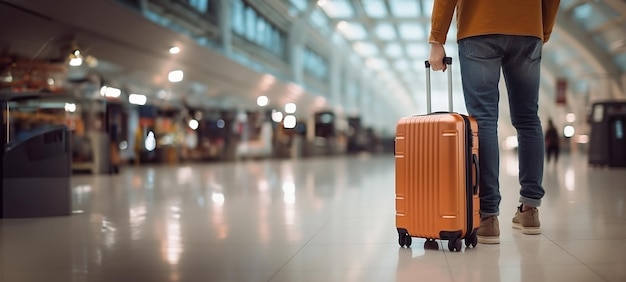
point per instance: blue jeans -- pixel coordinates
(481, 59)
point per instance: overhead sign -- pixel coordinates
(561, 89)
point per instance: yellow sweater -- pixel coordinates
(482, 17)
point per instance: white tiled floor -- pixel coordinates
(322, 219)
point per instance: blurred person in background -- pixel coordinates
(552, 142)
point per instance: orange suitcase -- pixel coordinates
(436, 159)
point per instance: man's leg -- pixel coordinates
(480, 60)
(521, 72)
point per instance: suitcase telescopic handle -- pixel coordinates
(447, 61)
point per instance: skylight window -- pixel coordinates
(404, 8)
(300, 5)
(319, 19)
(427, 7)
(338, 9)
(352, 31)
(411, 31)
(393, 50)
(402, 65)
(376, 63)
(417, 50)
(385, 31)
(375, 8)
(365, 49)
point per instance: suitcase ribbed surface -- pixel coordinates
(429, 176)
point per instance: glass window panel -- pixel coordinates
(314, 64)
(375, 8)
(365, 49)
(352, 31)
(418, 64)
(157, 18)
(393, 50)
(409, 76)
(377, 63)
(402, 65)
(452, 32)
(260, 31)
(338, 8)
(591, 15)
(299, 4)
(319, 19)
(411, 31)
(404, 8)
(621, 61)
(200, 5)
(268, 37)
(281, 44)
(238, 22)
(418, 50)
(427, 7)
(250, 23)
(385, 31)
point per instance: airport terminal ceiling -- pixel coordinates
(380, 45)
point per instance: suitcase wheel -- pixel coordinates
(472, 240)
(455, 242)
(404, 239)
(455, 245)
(431, 244)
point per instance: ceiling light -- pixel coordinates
(289, 122)
(262, 101)
(111, 92)
(176, 76)
(569, 131)
(70, 107)
(174, 50)
(290, 108)
(277, 116)
(75, 58)
(193, 124)
(150, 143)
(76, 62)
(137, 99)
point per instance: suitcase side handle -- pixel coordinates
(477, 173)
(447, 61)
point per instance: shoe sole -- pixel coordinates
(527, 230)
(488, 239)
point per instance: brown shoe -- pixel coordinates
(489, 230)
(527, 221)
